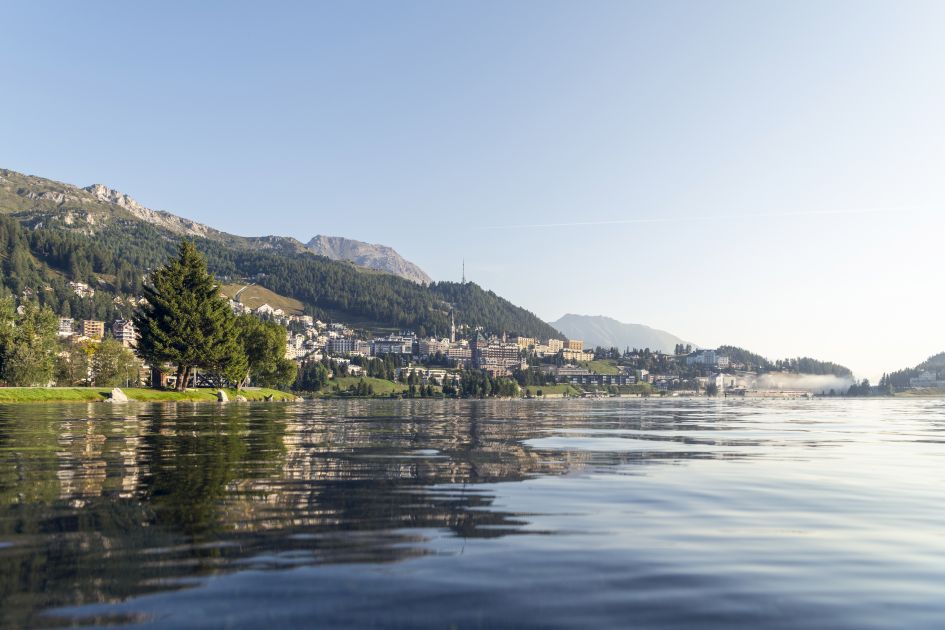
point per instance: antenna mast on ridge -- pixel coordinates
(464, 271)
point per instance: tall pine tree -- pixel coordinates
(186, 322)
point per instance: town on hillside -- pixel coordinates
(335, 358)
(549, 367)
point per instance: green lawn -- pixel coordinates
(608, 366)
(381, 386)
(52, 394)
(553, 390)
(97, 394)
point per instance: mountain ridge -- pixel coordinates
(101, 237)
(172, 222)
(368, 255)
(58, 195)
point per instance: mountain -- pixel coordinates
(170, 222)
(606, 332)
(379, 257)
(54, 233)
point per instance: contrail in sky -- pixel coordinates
(722, 217)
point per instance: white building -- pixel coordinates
(341, 345)
(82, 290)
(66, 327)
(926, 379)
(708, 358)
(123, 330)
(431, 346)
(393, 344)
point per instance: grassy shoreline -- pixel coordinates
(136, 394)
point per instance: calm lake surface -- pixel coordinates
(617, 513)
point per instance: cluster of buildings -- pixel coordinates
(309, 338)
(82, 289)
(497, 356)
(627, 375)
(926, 379)
(265, 311)
(123, 330)
(708, 358)
(318, 340)
(312, 339)
(571, 349)
(582, 377)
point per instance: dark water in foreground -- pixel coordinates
(475, 514)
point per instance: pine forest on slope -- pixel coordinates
(54, 233)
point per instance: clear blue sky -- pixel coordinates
(767, 174)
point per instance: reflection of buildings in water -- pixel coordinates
(97, 457)
(358, 464)
(323, 467)
(364, 465)
(147, 493)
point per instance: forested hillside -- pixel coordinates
(801, 365)
(900, 379)
(54, 233)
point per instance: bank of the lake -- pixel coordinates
(927, 392)
(99, 394)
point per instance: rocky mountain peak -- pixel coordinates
(372, 256)
(172, 222)
(109, 195)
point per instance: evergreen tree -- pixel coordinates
(186, 322)
(312, 376)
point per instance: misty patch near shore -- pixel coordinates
(812, 382)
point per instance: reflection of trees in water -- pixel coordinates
(106, 502)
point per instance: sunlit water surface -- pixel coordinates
(620, 513)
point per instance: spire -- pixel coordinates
(464, 270)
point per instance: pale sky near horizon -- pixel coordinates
(764, 174)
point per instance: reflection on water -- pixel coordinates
(354, 512)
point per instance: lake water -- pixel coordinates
(614, 513)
